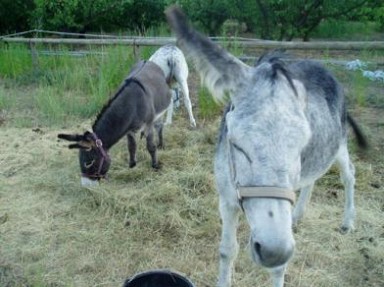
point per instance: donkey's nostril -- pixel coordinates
(258, 250)
(272, 256)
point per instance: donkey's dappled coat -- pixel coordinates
(285, 126)
(172, 61)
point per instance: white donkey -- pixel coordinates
(285, 126)
(172, 61)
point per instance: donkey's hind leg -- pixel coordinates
(347, 175)
(304, 197)
(187, 101)
(159, 130)
(170, 108)
(228, 245)
(132, 147)
(151, 147)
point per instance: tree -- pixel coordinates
(14, 15)
(210, 14)
(291, 19)
(143, 14)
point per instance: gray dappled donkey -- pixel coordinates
(285, 126)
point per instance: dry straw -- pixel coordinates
(55, 233)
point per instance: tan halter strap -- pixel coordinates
(265, 192)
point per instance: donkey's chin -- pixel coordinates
(87, 182)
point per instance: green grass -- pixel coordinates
(208, 108)
(15, 60)
(61, 87)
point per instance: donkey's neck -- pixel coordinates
(108, 135)
(111, 125)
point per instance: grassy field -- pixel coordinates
(55, 233)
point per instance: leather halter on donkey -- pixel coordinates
(136, 107)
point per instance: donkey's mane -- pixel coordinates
(111, 100)
(278, 65)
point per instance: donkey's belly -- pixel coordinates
(314, 168)
(159, 115)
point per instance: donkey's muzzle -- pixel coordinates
(271, 256)
(87, 182)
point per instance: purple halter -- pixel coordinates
(104, 158)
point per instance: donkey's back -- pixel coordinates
(145, 94)
(326, 114)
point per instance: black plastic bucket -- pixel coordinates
(158, 278)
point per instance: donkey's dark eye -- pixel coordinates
(239, 149)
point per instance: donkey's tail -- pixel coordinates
(361, 139)
(220, 71)
(171, 64)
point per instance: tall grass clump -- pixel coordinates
(106, 74)
(358, 95)
(80, 86)
(15, 60)
(208, 108)
(64, 85)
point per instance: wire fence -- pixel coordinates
(137, 41)
(105, 39)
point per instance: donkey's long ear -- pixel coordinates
(220, 71)
(72, 138)
(76, 145)
(83, 141)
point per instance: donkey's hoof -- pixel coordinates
(156, 166)
(160, 146)
(345, 229)
(132, 164)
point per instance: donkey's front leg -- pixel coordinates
(304, 197)
(228, 246)
(151, 147)
(277, 275)
(132, 146)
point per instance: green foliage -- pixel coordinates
(209, 14)
(282, 20)
(75, 15)
(286, 19)
(96, 15)
(269, 19)
(345, 30)
(15, 14)
(143, 14)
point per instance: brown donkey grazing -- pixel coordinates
(137, 106)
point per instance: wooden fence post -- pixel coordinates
(35, 58)
(136, 51)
